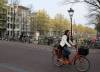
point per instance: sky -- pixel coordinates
(56, 6)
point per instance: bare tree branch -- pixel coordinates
(71, 2)
(98, 1)
(92, 4)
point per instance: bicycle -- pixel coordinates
(82, 64)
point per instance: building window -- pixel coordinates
(8, 18)
(11, 19)
(8, 33)
(8, 25)
(11, 26)
(11, 33)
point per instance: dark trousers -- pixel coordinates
(63, 52)
(66, 52)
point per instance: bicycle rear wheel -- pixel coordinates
(55, 60)
(82, 64)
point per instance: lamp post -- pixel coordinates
(71, 12)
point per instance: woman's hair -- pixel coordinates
(66, 32)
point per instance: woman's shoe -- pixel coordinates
(61, 60)
(66, 62)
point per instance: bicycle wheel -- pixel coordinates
(55, 60)
(82, 64)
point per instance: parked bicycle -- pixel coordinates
(80, 61)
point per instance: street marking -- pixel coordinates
(12, 67)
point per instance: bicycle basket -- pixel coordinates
(83, 51)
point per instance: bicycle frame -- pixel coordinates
(75, 60)
(76, 56)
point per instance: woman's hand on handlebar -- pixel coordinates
(74, 46)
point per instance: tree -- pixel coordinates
(84, 31)
(3, 13)
(2, 2)
(40, 22)
(94, 10)
(60, 24)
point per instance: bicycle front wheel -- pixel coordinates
(82, 64)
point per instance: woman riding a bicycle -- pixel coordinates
(61, 52)
(64, 46)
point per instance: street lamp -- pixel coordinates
(71, 12)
